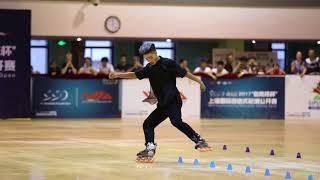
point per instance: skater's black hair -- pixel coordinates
(145, 48)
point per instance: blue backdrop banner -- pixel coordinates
(76, 98)
(254, 97)
(15, 33)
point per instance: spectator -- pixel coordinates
(312, 63)
(261, 69)
(54, 70)
(242, 67)
(220, 70)
(87, 67)
(203, 68)
(34, 72)
(105, 67)
(136, 64)
(68, 67)
(298, 66)
(253, 65)
(123, 66)
(229, 62)
(276, 70)
(184, 64)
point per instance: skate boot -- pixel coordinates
(146, 155)
(202, 146)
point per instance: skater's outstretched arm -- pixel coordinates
(196, 79)
(122, 75)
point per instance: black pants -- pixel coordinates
(173, 111)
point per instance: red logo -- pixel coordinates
(97, 96)
(317, 90)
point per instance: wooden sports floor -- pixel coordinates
(99, 149)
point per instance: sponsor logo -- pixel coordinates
(55, 97)
(315, 103)
(47, 113)
(97, 97)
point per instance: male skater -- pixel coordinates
(162, 73)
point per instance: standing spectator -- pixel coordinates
(123, 66)
(253, 65)
(276, 70)
(261, 69)
(242, 67)
(184, 64)
(54, 70)
(105, 67)
(220, 69)
(312, 63)
(298, 66)
(68, 67)
(87, 67)
(136, 64)
(203, 68)
(229, 62)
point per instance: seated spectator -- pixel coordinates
(203, 68)
(54, 70)
(34, 72)
(261, 69)
(312, 63)
(136, 64)
(105, 67)
(123, 66)
(184, 64)
(229, 62)
(87, 67)
(68, 67)
(253, 66)
(298, 66)
(242, 67)
(220, 70)
(276, 70)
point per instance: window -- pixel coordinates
(164, 49)
(280, 49)
(97, 49)
(39, 55)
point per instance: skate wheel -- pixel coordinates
(205, 149)
(144, 160)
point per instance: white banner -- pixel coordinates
(135, 91)
(302, 99)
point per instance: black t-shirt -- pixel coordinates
(162, 77)
(54, 71)
(229, 68)
(69, 69)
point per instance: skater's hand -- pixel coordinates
(202, 87)
(112, 75)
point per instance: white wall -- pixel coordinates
(77, 19)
